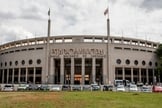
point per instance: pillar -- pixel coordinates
(147, 76)
(123, 73)
(83, 71)
(51, 73)
(72, 71)
(19, 75)
(132, 75)
(13, 71)
(34, 75)
(105, 77)
(140, 79)
(62, 71)
(93, 69)
(2, 76)
(7, 75)
(26, 75)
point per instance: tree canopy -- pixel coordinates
(159, 51)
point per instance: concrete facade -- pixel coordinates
(78, 60)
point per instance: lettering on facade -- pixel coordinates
(77, 52)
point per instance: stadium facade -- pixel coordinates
(78, 59)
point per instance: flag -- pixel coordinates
(106, 11)
(49, 12)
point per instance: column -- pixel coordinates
(154, 78)
(2, 76)
(93, 69)
(123, 73)
(147, 76)
(105, 77)
(72, 71)
(62, 71)
(19, 75)
(7, 75)
(51, 73)
(13, 71)
(34, 75)
(83, 71)
(140, 75)
(131, 74)
(26, 75)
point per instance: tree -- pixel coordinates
(159, 56)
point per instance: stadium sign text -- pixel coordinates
(78, 52)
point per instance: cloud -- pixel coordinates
(150, 5)
(7, 15)
(128, 18)
(11, 33)
(24, 9)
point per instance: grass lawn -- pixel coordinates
(80, 100)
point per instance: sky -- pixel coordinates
(23, 19)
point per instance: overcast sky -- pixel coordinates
(21, 19)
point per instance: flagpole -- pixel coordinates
(108, 41)
(48, 80)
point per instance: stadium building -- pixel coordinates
(78, 59)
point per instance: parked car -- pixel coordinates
(8, 87)
(133, 88)
(66, 87)
(43, 87)
(54, 88)
(146, 89)
(76, 88)
(120, 88)
(87, 87)
(156, 89)
(23, 87)
(33, 87)
(139, 84)
(108, 88)
(95, 87)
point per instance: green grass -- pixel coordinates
(79, 100)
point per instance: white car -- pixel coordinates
(23, 87)
(133, 88)
(55, 88)
(120, 88)
(8, 87)
(146, 89)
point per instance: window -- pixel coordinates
(143, 62)
(38, 61)
(118, 61)
(156, 64)
(5, 63)
(16, 63)
(10, 63)
(127, 61)
(23, 62)
(1, 64)
(30, 61)
(150, 63)
(136, 62)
